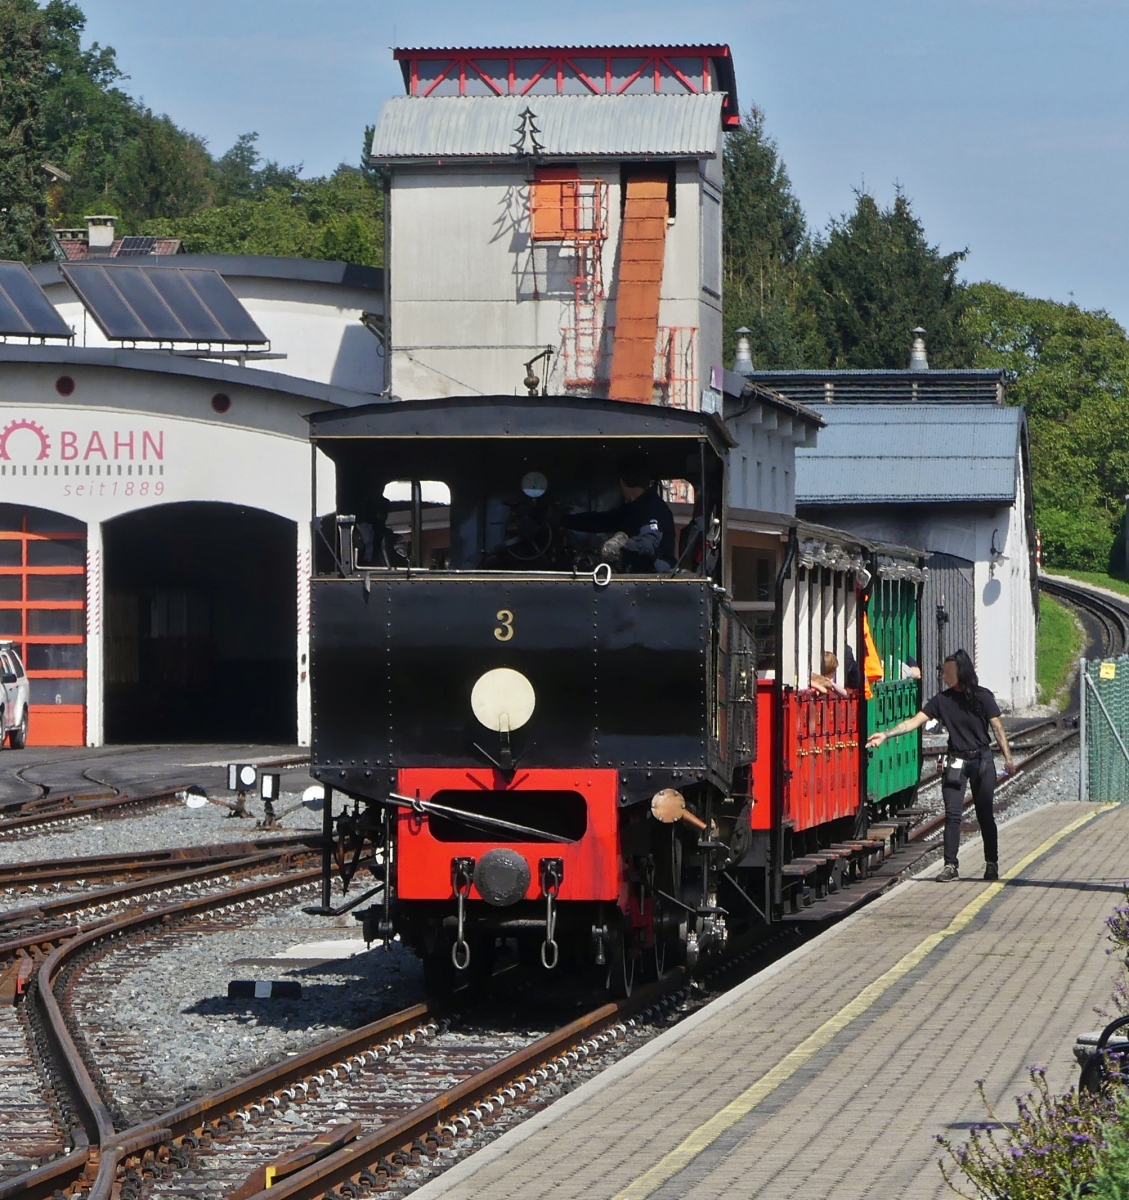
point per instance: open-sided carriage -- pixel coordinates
(536, 747)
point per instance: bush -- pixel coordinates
(1081, 541)
(1049, 1153)
(1112, 1179)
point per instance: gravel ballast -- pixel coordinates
(171, 992)
(158, 828)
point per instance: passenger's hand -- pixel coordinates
(875, 740)
(1009, 768)
(612, 550)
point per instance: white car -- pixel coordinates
(15, 694)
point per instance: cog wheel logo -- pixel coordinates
(31, 427)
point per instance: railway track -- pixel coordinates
(1111, 616)
(32, 929)
(388, 1093)
(37, 875)
(104, 801)
(49, 967)
(340, 1119)
(346, 1117)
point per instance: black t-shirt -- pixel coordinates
(968, 731)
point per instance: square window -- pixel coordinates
(42, 622)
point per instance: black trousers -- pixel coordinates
(981, 775)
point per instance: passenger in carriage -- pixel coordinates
(825, 681)
(642, 527)
(852, 676)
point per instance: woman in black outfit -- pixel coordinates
(966, 710)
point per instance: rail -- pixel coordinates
(96, 1134)
(1110, 614)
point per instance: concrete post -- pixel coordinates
(303, 584)
(95, 650)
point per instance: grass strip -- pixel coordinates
(1058, 645)
(1097, 578)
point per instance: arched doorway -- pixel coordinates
(200, 625)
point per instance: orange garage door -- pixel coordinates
(42, 610)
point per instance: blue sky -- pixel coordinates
(1005, 121)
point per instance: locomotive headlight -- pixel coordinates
(503, 699)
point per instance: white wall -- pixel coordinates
(128, 440)
(473, 298)
(762, 467)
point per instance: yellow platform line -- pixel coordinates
(706, 1134)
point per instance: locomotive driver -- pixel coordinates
(642, 528)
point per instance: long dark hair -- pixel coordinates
(966, 677)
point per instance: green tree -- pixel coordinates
(339, 217)
(241, 173)
(871, 279)
(1070, 368)
(765, 239)
(86, 118)
(162, 172)
(24, 232)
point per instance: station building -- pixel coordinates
(934, 459)
(155, 489)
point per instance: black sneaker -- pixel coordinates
(991, 871)
(948, 874)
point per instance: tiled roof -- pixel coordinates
(76, 249)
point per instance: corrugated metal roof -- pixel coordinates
(891, 453)
(569, 126)
(960, 386)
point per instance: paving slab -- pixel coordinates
(831, 1073)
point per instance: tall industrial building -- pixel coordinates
(555, 215)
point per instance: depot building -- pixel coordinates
(156, 484)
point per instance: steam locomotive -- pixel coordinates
(607, 771)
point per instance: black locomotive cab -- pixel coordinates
(543, 723)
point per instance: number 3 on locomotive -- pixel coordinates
(505, 631)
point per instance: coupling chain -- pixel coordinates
(462, 876)
(552, 873)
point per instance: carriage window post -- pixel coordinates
(417, 523)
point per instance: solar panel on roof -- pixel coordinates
(133, 246)
(25, 310)
(162, 304)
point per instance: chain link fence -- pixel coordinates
(1104, 714)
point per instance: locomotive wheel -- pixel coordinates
(620, 978)
(660, 953)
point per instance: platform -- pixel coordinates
(831, 1072)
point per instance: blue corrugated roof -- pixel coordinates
(911, 453)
